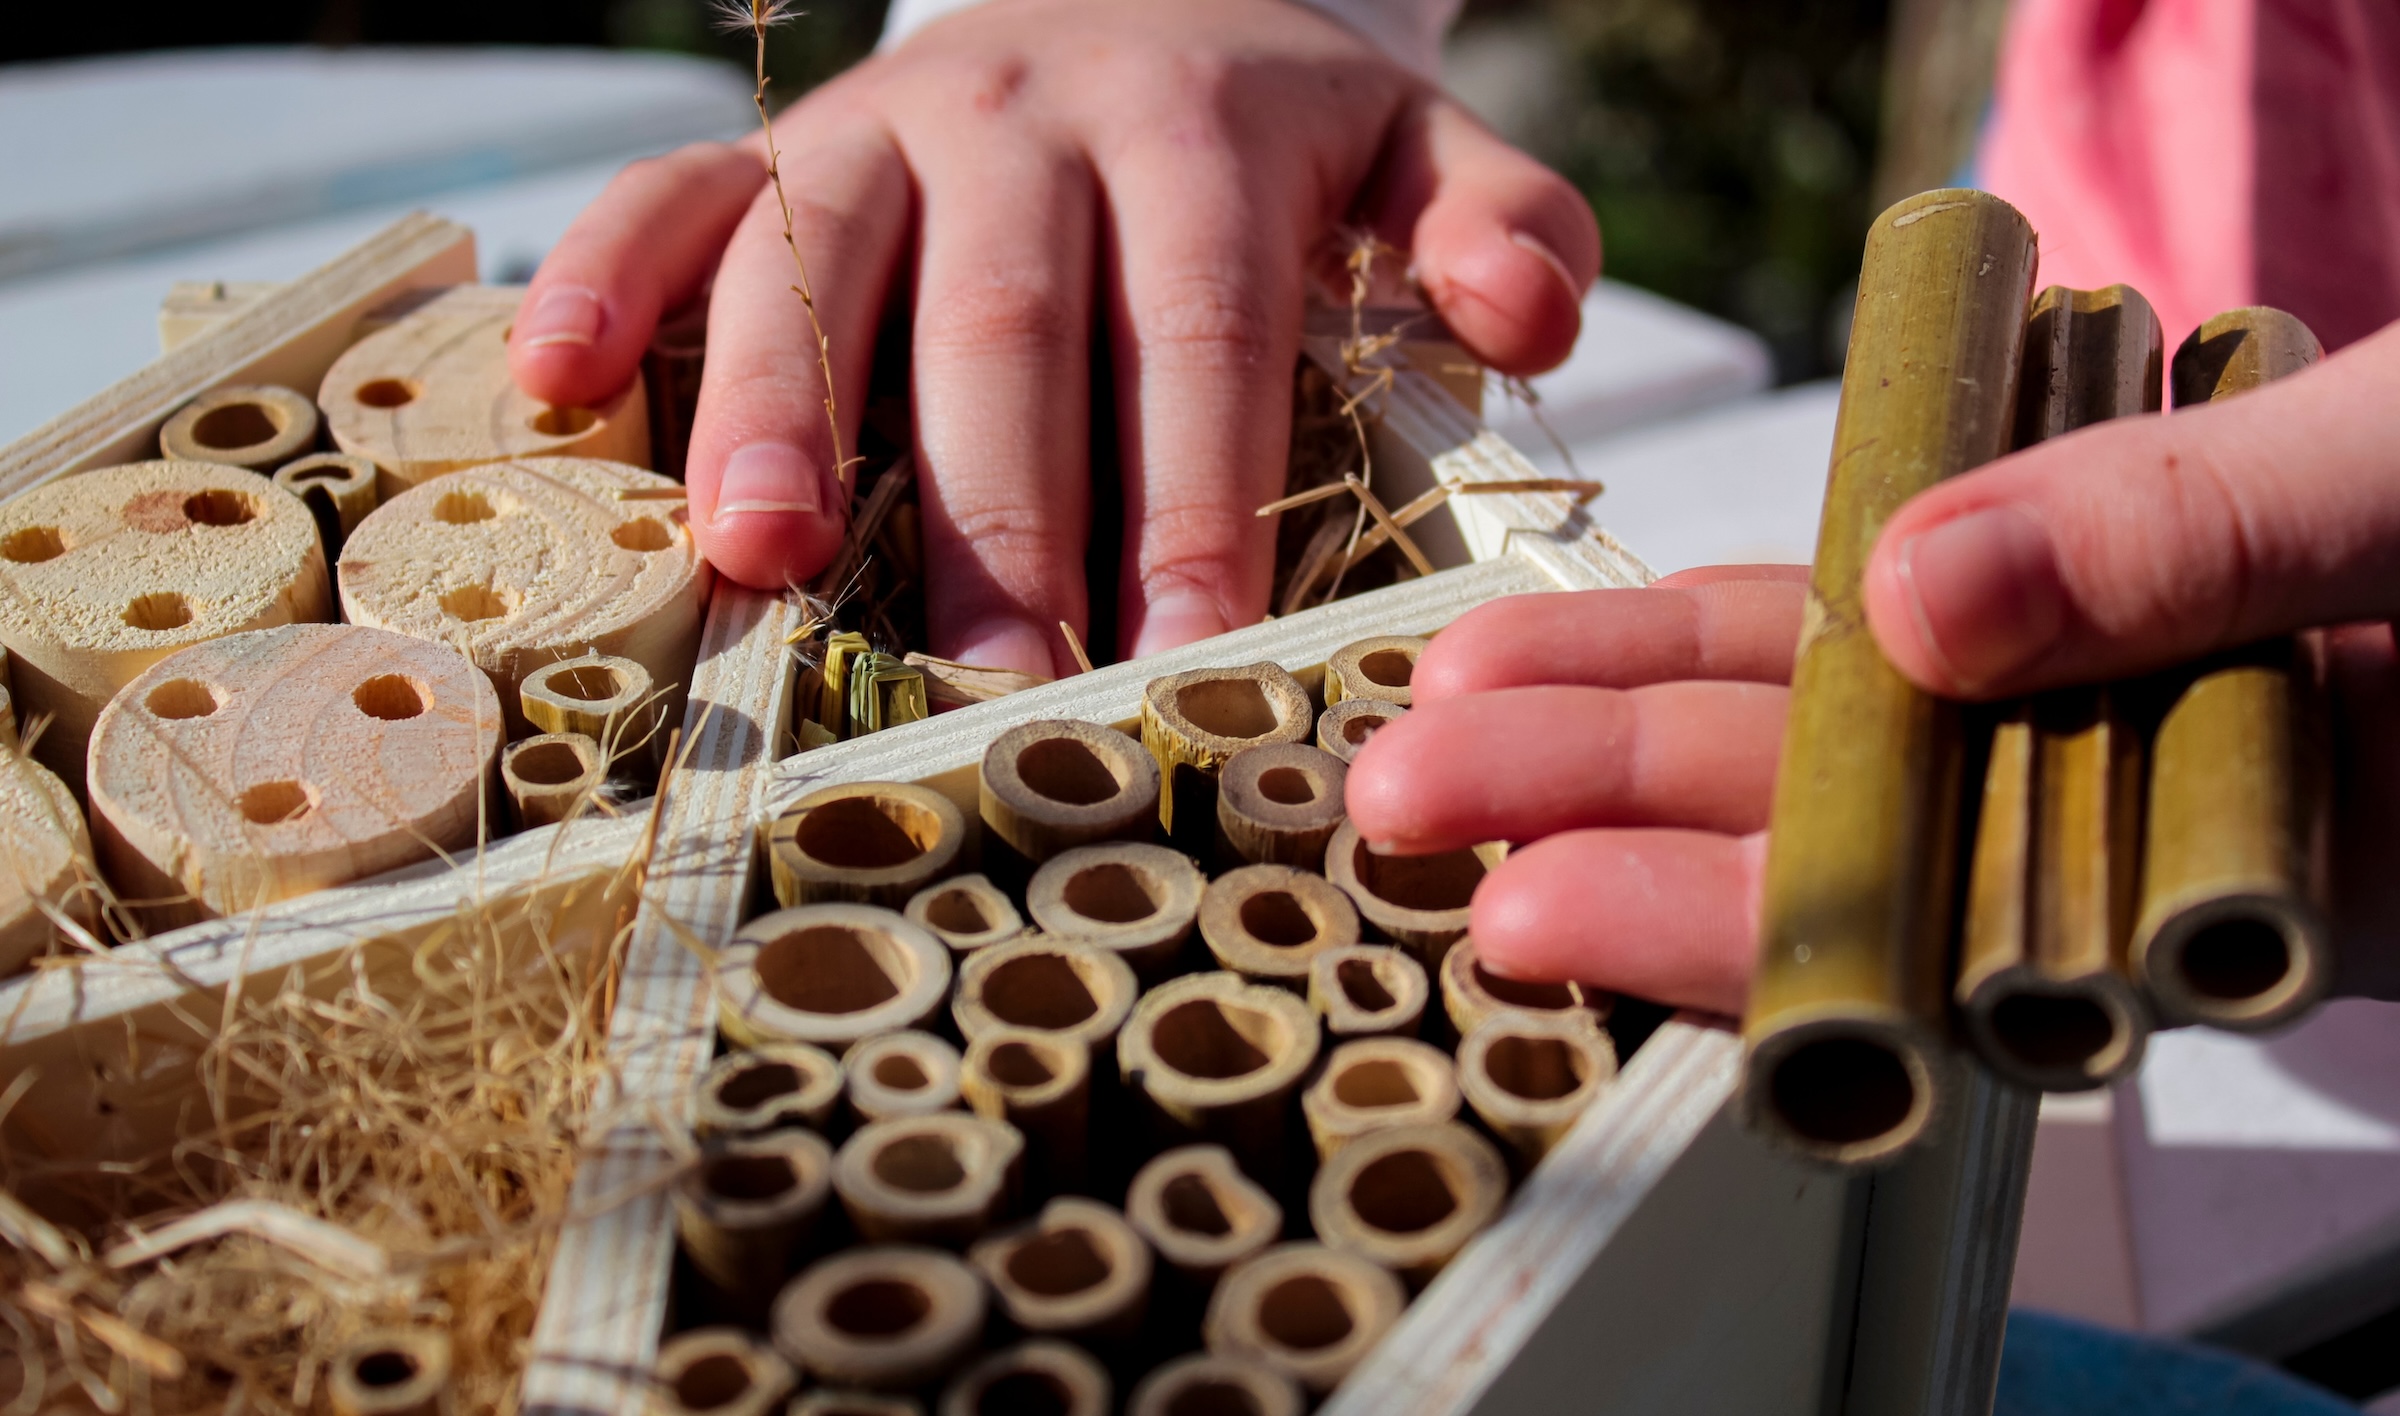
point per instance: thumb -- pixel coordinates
(2149, 541)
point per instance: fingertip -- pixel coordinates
(1506, 294)
(567, 346)
(763, 518)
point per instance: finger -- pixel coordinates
(1524, 763)
(1719, 574)
(1741, 630)
(1503, 246)
(1670, 916)
(2149, 541)
(768, 505)
(643, 247)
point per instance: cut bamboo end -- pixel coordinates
(966, 912)
(766, 1088)
(1200, 1212)
(1408, 1197)
(338, 489)
(391, 1372)
(549, 775)
(1206, 1385)
(1307, 1311)
(266, 765)
(1269, 923)
(1040, 1083)
(719, 1371)
(49, 851)
(824, 1402)
(1847, 1090)
(1375, 1084)
(1045, 1376)
(112, 571)
(1078, 1270)
(1530, 1076)
(257, 427)
(1279, 804)
(1045, 985)
(1193, 722)
(1418, 902)
(2057, 1034)
(1050, 786)
(938, 1179)
(1345, 727)
(877, 843)
(2248, 961)
(1136, 901)
(746, 1212)
(902, 1074)
(609, 699)
(1377, 669)
(431, 394)
(1472, 993)
(518, 565)
(1368, 990)
(828, 975)
(883, 1318)
(1219, 1059)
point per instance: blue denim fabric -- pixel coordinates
(2053, 1366)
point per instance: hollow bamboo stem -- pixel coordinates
(1078, 1270)
(1042, 1375)
(1193, 722)
(938, 1179)
(965, 912)
(605, 698)
(765, 1088)
(1218, 1059)
(1040, 1083)
(1529, 1076)
(1345, 727)
(1374, 1084)
(548, 774)
(254, 427)
(1136, 901)
(1279, 804)
(906, 1073)
(747, 1211)
(890, 1317)
(1418, 902)
(1307, 1311)
(1408, 1197)
(1200, 1212)
(829, 976)
(1268, 923)
(338, 488)
(392, 1372)
(1205, 1383)
(1045, 985)
(1368, 990)
(876, 843)
(1472, 993)
(1379, 668)
(1050, 786)
(720, 1372)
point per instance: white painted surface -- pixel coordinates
(1641, 357)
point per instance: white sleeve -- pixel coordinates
(1410, 31)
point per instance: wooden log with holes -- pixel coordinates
(48, 862)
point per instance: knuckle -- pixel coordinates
(998, 317)
(1016, 539)
(1205, 318)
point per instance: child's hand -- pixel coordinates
(1039, 174)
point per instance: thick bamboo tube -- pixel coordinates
(1218, 1060)
(391, 1372)
(746, 1213)
(548, 775)
(337, 489)
(1200, 1212)
(1304, 1310)
(1192, 722)
(1040, 1083)
(938, 1179)
(1268, 923)
(1345, 727)
(1078, 1270)
(1845, 1019)
(1378, 669)
(1471, 993)
(877, 843)
(828, 975)
(884, 1318)
(1055, 1378)
(1206, 1385)
(901, 1074)
(1050, 786)
(2229, 932)
(825, 1401)
(719, 1371)
(765, 1088)
(1045, 985)
(1368, 990)
(1136, 901)
(1374, 1084)
(1418, 902)
(48, 855)
(111, 571)
(267, 765)
(1529, 1076)
(1279, 804)
(611, 700)
(1408, 1197)
(254, 427)
(965, 912)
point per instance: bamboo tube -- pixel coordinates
(1200, 1212)
(49, 855)
(1417, 902)
(1279, 804)
(254, 427)
(1529, 1076)
(1344, 728)
(2229, 932)
(1192, 722)
(828, 975)
(608, 699)
(884, 692)
(1218, 1060)
(338, 489)
(1472, 993)
(830, 1402)
(391, 1372)
(549, 774)
(719, 1371)
(671, 369)
(1206, 1385)
(883, 1318)
(1268, 922)
(1374, 1084)
(902, 1074)
(1845, 1018)
(1078, 1270)
(765, 1088)
(1136, 901)
(1045, 985)
(1050, 786)
(1047, 1376)
(965, 912)
(1040, 1083)
(1408, 1197)
(1307, 1311)
(877, 843)
(746, 1213)
(937, 1179)
(1368, 990)
(1378, 669)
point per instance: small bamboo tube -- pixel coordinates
(766, 1088)
(1040, 1083)
(901, 1074)
(2228, 931)
(937, 1179)
(1218, 1060)
(1417, 902)
(608, 699)
(1050, 786)
(1368, 990)
(1374, 1084)
(1472, 993)
(884, 693)
(1206, 1385)
(1344, 728)
(1845, 1018)
(1269, 922)
(1051, 1377)
(882, 1318)
(877, 843)
(338, 489)
(254, 427)
(748, 1210)
(49, 855)
(718, 1371)
(671, 368)
(1078, 1270)
(1045, 985)
(1307, 1311)
(1136, 901)
(549, 774)
(1378, 669)
(1529, 1076)
(965, 912)
(391, 1372)
(829, 1402)
(1193, 722)
(828, 975)
(1200, 1212)
(1408, 1197)
(1279, 804)
(111, 571)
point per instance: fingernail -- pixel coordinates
(768, 477)
(566, 314)
(1550, 258)
(1984, 593)
(1177, 618)
(1007, 644)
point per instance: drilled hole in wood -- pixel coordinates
(387, 393)
(158, 612)
(1025, 1394)
(31, 545)
(2236, 959)
(1065, 770)
(462, 508)
(1430, 883)
(236, 425)
(921, 1164)
(1038, 991)
(1277, 918)
(563, 422)
(1230, 708)
(1110, 892)
(1305, 1313)
(717, 1380)
(759, 1084)
(395, 698)
(181, 698)
(1287, 786)
(1390, 668)
(879, 1307)
(1215, 1040)
(475, 602)
(1190, 1204)
(748, 1177)
(956, 912)
(1213, 1398)
(273, 803)
(1060, 1262)
(1406, 1192)
(1376, 1082)
(384, 1368)
(899, 1072)
(867, 832)
(548, 764)
(1362, 987)
(828, 968)
(218, 506)
(644, 534)
(1016, 1064)
(1535, 1068)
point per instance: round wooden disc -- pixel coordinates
(271, 764)
(43, 840)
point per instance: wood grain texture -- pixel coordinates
(45, 855)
